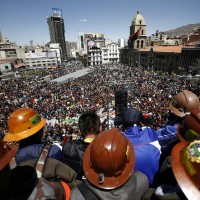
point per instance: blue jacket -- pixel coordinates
(33, 152)
(147, 150)
(167, 135)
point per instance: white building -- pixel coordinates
(110, 53)
(6, 66)
(94, 57)
(122, 42)
(43, 57)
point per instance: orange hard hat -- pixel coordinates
(184, 102)
(23, 123)
(189, 128)
(109, 160)
(6, 153)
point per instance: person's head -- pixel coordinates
(25, 125)
(130, 117)
(89, 123)
(189, 128)
(184, 102)
(6, 154)
(109, 160)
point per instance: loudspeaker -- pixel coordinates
(120, 102)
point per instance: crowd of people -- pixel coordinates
(61, 104)
(69, 123)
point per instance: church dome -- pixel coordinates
(138, 20)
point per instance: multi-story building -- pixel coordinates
(57, 31)
(71, 49)
(42, 57)
(94, 57)
(110, 53)
(122, 42)
(86, 41)
(11, 54)
(7, 49)
(162, 53)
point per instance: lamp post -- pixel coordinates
(137, 62)
(57, 58)
(151, 59)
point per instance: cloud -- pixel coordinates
(83, 20)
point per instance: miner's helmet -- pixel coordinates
(6, 153)
(185, 165)
(23, 123)
(183, 103)
(109, 160)
(189, 128)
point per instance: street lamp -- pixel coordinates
(57, 58)
(137, 62)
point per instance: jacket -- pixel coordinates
(167, 137)
(33, 152)
(72, 155)
(56, 170)
(134, 187)
(147, 150)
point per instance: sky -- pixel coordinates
(25, 20)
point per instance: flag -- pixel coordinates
(134, 36)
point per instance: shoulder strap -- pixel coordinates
(86, 192)
(42, 160)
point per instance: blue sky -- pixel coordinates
(25, 20)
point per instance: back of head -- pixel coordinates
(23, 123)
(89, 122)
(189, 128)
(109, 160)
(6, 153)
(183, 103)
(131, 116)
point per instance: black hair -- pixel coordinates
(33, 139)
(89, 122)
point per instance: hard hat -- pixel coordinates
(189, 128)
(6, 153)
(23, 123)
(183, 103)
(186, 167)
(109, 160)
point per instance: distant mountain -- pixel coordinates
(183, 30)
